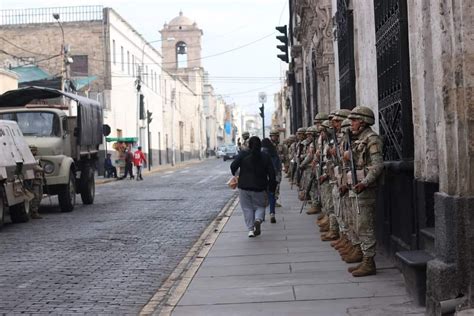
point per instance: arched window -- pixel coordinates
(182, 55)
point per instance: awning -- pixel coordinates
(122, 139)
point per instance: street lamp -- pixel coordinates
(63, 58)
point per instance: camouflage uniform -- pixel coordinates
(299, 150)
(291, 155)
(306, 164)
(282, 154)
(368, 160)
(333, 166)
(315, 194)
(325, 186)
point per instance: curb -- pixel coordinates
(169, 294)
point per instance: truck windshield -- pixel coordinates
(41, 124)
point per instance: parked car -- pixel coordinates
(231, 151)
(220, 151)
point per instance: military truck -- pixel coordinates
(64, 131)
(20, 175)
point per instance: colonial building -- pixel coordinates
(412, 63)
(133, 81)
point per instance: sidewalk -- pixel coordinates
(288, 270)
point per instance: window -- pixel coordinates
(133, 65)
(122, 58)
(114, 52)
(128, 62)
(80, 66)
(151, 80)
(146, 75)
(182, 55)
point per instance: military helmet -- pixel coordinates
(292, 137)
(245, 133)
(331, 115)
(326, 124)
(363, 113)
(311, 130)
(274, 132)
(301, 130)
(341, 114)
(320, 117)
(346, 123)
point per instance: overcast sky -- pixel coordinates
(227, 24)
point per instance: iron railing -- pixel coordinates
(45, 15)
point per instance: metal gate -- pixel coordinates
(345, 46)
(396, 207)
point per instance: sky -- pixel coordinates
(238, 75)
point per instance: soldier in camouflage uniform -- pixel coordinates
(315, 197)
(346, 219)
(333, 167)
(306, 164)
(300, 134)
(282, 154)
(368, 160)
(245, 143)
(324, 185)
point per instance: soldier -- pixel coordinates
(306, 164)
(300, 134)
(324, 185)
(368, 162)
(333, 166)
(245, 143)
(315, 197)
(282, 154)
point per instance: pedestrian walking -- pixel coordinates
(138, 160)
(256, 176)
(269, 149)
(128, 164)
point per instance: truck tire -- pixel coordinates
(67, 195)
(87, 186)
(20, 213)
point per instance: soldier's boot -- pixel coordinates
(324, 228)
(337, 242)
(342, 244)
(346, 250)
(353, 268)
(332, 235)
(355, 256)
(313, 210)
(367, 268)
(323, 221)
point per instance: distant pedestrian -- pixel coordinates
(128, 164)
(138, 160)
(110, 169)
(256, 176)
(269, 149)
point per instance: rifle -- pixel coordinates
(353, 167)
(293, 172)
(336, 143)
(306, 193)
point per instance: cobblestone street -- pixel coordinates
(110, 257)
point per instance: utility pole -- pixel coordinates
(148, 121)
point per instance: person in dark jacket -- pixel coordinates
(128, 164)
(270, 149)
(256, 176)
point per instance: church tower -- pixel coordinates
(181, 45)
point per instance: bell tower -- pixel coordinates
(181, 44)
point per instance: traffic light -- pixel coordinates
(262, 111)
(149, 116)
(142, 107)
(284, 39)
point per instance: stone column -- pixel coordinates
(451, 274)
(365, 57)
